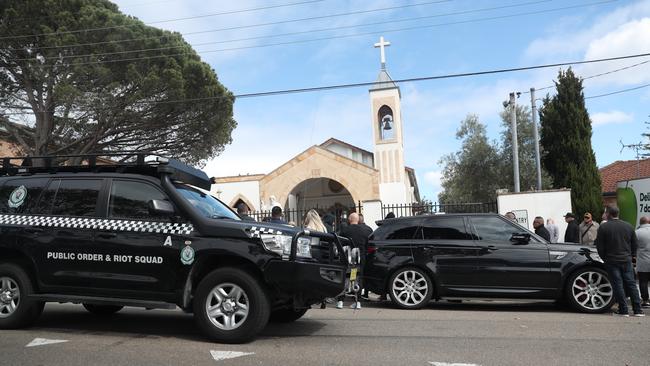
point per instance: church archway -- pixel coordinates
(326, 195)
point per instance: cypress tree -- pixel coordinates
(566, 139)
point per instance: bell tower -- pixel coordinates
(386, 111)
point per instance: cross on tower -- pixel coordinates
(381, 45)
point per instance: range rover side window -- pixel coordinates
(20, 196)
(130, 200)
(493, 228)
(402, 230)
(75, 197)
(445, 228)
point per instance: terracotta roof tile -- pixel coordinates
(623, 170)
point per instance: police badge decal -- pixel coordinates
(187, 255)
(17, 197)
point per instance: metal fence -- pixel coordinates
(427, 208)
(339, 214)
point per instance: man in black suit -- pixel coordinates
(572, 233)
(540, 230)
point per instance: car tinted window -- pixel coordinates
(20, 196)
(396, 230)
(130, 199)
(75, 197)
(445, 228)
(493, 228)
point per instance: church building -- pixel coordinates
(335, 174)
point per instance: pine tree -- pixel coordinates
(566, 138)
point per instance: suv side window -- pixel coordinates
(396, 230)
(130, 199)
(72, 197)
(444, 228)
(493, 228)
(20, 196)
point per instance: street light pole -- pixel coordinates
(536, 137)
(515, 144)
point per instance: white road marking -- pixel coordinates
(43, 341)
(451, 364)
(224, 355)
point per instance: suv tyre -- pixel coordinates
(589, 290)
(286, 315)
(16, 309)
(103, 310)
(410, 288)
(230, 306)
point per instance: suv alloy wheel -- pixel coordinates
(589, 290)
(230, 306)
(16, 309)
(410, 288)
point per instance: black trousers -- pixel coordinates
(644, 277)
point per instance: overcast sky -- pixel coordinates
(447, 37)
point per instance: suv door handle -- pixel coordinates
(107, 235)
(33, 230)
(491, 247)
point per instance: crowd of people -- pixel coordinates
(354, 228)
(619, 245)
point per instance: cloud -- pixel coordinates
(612, 117)
(621, 32)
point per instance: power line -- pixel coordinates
(240, 27)
(285, 34)
(336, 37)
(593, 76)
(164, 21)
(290, 33)
(438, 77)
(618, 92)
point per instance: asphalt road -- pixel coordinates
(474, 333)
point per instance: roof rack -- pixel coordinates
(119, 162)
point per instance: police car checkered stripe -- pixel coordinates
(101, 224)
(256, 231)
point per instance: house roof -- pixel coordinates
(622, 170)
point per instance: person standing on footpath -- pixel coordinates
(617, 243)
(276, 216)
(540, 230)
(643, 258)
(588, 230)
(572, 233)
(553, 230)
(242, 211)
(359, 237)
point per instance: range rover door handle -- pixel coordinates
(491, 247)
(107, 235)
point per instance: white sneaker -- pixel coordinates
(339, 305)
(356, 305)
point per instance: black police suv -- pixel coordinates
(147, 234)
(464, 256)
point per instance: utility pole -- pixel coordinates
(515, 144)
(538, 164)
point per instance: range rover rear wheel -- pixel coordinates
(103, 310)
(230, 306)
(410, 288)
(588, 290)
(16, 309)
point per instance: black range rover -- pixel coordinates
(148, 234)
(463, 256)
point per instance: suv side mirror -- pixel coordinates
(160, 207)
(520, 238)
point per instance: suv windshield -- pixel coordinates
(209, 206)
